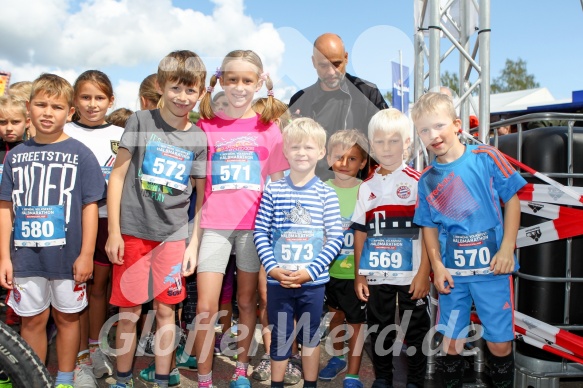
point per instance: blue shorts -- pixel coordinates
(305, 304)
(494, 301)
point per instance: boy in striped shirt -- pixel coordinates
(298, 232)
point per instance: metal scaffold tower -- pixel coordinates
(457, 21)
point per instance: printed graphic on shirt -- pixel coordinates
(452, 198)
(299, 215)
(235, 164)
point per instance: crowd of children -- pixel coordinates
(93, 205)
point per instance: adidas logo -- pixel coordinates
(506, 306)
(371, 196)
(420, 302)
(535, 206)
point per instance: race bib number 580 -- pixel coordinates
(39, 226)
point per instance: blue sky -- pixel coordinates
(126, 38)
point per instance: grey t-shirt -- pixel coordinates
(157, 188)
(48, 185)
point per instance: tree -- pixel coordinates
(513, 77)
(451, 80)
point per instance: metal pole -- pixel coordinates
(401, 81)
(463, 63)
(484, 39)
(434, 48)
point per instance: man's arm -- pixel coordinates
(115, 245)
(83, 266)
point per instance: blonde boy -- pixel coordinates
(14, 121)
(470, 245)
(50, 188)
(297, 234)
(390, 260)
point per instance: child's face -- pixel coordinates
(179, 99)
(240, 83)
(303, 155)
(49, 114)
(12, 124)
(346, 162)
(438, 132)
(220, 104)
(388, 148)
(92, 104)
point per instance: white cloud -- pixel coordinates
(126, 95)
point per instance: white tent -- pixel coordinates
(520, 100)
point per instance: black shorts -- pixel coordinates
(100, 256)
(340, 295)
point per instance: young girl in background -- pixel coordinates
(93, 97)
(149, 96)
(243, 149)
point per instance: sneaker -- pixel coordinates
(293, 372)
(262, 371)
(185, 360)
(5, 381)
(380, 383)
(218, 339)
(352, 383)
(148, 375)
(129, 384)
(84, 377)
(146, 345)
(333, 369)
(240, 382)
(101, 363)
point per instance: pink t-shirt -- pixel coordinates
(241, 154)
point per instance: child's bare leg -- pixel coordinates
(126, 331)
(278, 369)
(97, 300)
(247, 302)
(67, 339)
(209, 290)
(33, 331)
(262, 291)
(337, 321)
(165, 334)
(355, 346)
(310, 362)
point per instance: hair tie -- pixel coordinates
(270, 93)
(218, 72)
(210, 89)
(264, 76)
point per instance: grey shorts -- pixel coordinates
(216, 246)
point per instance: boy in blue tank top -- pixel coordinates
(470, 244)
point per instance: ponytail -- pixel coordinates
(269, 114)
(206, 104)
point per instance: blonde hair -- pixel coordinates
(9, 102)
(433, 102)
(269, 114)
(148, 89)
(184, 67)
(390, 121)
(280, 109)
(21, 90)
(119, 117)
(304, 128)
(53, 85)
(348, 138)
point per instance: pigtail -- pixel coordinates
(269, 114)
(206, 106)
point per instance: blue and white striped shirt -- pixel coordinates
(286, 208)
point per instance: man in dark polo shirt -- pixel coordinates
(337, 100)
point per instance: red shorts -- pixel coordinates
(100, 256)
(145, 259)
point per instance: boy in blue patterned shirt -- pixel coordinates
(298, 232)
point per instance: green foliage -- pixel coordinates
(513, 77)
(389, 98)
(193, 117)
(451, 80)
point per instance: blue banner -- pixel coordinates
(400, 87)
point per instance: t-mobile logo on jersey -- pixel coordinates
(378, 223)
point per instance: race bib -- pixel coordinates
(467, 255)
(387, 256)
(39, 226)
(296, 248)
(236, 169)
(106, 170)
(348, 242)
(166, 165)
